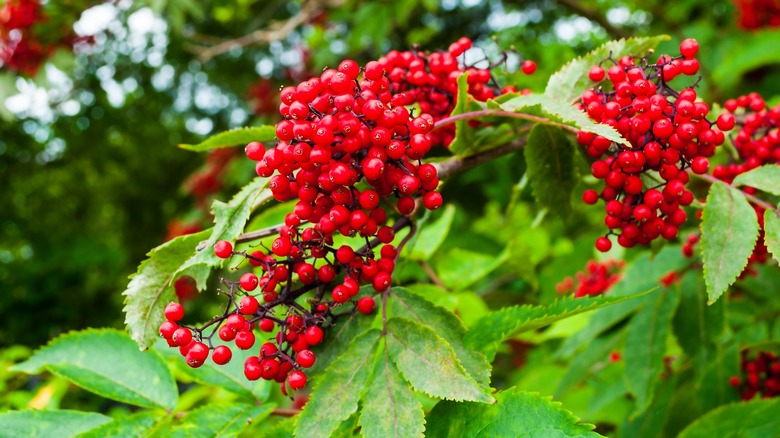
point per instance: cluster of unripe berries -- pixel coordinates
(645, 184)
(595, 280)
(761, 376)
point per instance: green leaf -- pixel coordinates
(108, 363)
(57, 423)
(339, 337)
(748, 51)
(590, 360)
(429, 363)
(461, 268)
(404, 303)
(568, 83)
(337, 392)
(501, 325)
(229, 221)
(150, 289)
(238, 136)
(390, 408)
(431, 235)
(697, 326)
(516, 414)
(729, 230)
(549, 155)
(220, 419)
(756, 418)
(651, 422)
(463, 143)
(772, 233)
(764, 178)
(712, 382)
(131, 425)
(646, 345)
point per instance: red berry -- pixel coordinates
(245, 339)
(366, 305)
(223, 249)
(167, 329)
(689, 48)
(726, 121)
(174, 311)
(432, 200)
(305, 358)
(248, 305)
(221, 355)
(528, 67)
(603, 244)
(313, 335)
(182, 336)
(700, 165)
(296, 380)
(255, 151)
(596, 74)
(266, 325)
(248, 281)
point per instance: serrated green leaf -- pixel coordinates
(501, 325)
(463, 143)
(772, 233)
(461, 268)
(646, 345)
(151, 289)
(431, 235)
(234, 137)
(132, 425)
(108, 363)
(729, 230)
(390, 408)
(568, 83)
(429, 363)
(651, 422)
(55, 423)
(596, 352)
(337, 392)
(406, 304)
(764, 178)
(549, 156)
(229, 221)
(516, 413)
(712, 382)
(220, 419)
(697, 326)
(753, 419)
(339, 337)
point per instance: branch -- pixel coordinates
(459, 164)
(594, 15)
(282, 412)
(500, 113)
(259, 234)
(755, 200)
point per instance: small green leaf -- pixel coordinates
(108, 363)
(516, 414)
(229, 221)
(461, 268)
(429, 363)
(772, 233)
(390, 408)
(756, 418)
(568, 83)
(132, 425)
(729, 230)
(501, 325)
(238, 136)
(404, 303)
(431, 235)
(463, 143)
(646, 345)
(764, 178)
(57, 423)
(339, 337)
(337, 392)
(220, 419)
(549, 156)
(150, 289)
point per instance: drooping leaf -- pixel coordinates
(151, 289)
(729, 230)
(431, 235)
(765, 178)
(501, 325)
(237, 136)
(772, 233)
(549, 156)
(646, 345)
(229, 221)
(697, 326)
(461, 268)
(336, 394)
(406, 304)
(429, 363)
(108, 363)
(756, 419)
(390, 408)
(339, 337)
(59, 423)
(220, 419)
(137, 424)
(516, 413)
(568, 83)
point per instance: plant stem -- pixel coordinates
(752, 198)
(500, 113)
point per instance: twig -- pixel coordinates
(459, 164)
(755, 200)
(432, 274)
(500, 113)
(285, 412)
(259, 234)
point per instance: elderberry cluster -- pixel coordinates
(761, 376)
(595, 280)
(669, 133)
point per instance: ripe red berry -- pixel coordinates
(313, 335)
(305, 358)
(726, 121)
(603, 244)
(366, 305)
(700, 165)
(248, 305)
(266, 325)
(596, 73)
(296, 380)
(174, 311)
(245, 339)
(167, 329)
(248, 281)
(221, 355)
(590, 196)
(182, 336)
(689, 48)
(255, 151)
(432, 200)
(528, 67)
(223, 249)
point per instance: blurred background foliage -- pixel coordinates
(92, 178)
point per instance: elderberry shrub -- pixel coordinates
(348, 153)
(669, 133)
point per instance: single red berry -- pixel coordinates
(296, 380)
(223, 249)
(174, 311)
(305, 358)
(182, 336)
(248, 305)
(221, 355)
(245, 339)
(596, 73)
(432, 200)
(313, 335)
(726, 121)
(226, 334)
(266, 325)
(735, 381)
(590, 196)
(366, 305)
(255, 151)
(603, 244)
(689, 48)
(167, 329)
(528, 67)
(700, 165)
(249, 281)
(252, 369)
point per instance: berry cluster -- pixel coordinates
(595, 280)
(761, 376)
(18, 50)
(668, 132)
(755, 14)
